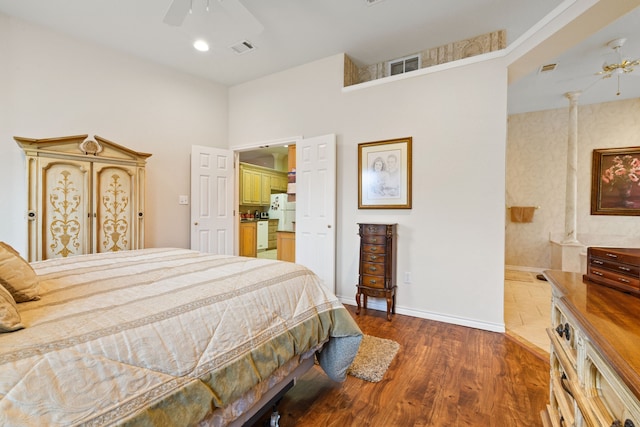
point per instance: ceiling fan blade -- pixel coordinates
(242, 15)
(177, 12)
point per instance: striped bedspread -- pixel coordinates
(162, 336)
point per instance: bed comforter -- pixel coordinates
(162, 336)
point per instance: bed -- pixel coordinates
(165, 337)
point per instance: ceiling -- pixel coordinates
(287, 33)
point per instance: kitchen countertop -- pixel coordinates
(253, 219)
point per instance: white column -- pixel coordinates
(278, 162)
(571, 201)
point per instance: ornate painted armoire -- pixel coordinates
(84, 196)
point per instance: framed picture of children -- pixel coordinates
(615, 181)
(384, 174)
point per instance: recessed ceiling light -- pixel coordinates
(201, 45)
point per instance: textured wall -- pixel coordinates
(536, 171)
(484, 43)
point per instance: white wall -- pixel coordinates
(536, 174)
(452, 241)
(52, 85)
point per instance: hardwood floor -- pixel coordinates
(443, 375)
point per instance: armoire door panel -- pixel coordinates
(115, 207)
(65, 208)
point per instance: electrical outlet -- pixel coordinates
(407, 277)
(183, 200)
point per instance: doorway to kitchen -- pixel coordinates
(311, 240)
(266, 202)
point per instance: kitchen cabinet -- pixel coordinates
(279, 182)
(272, 237)
(84, 196)
(250, 186)
(286, 246)
(257, 184)
(248, 239)
(265, 189)
(291, 160)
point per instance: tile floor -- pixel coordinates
(527, 309)
(269, 254)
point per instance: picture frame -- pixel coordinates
(615, 181)
(384, 174)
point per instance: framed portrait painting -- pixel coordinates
(615, 181)
(384, 174)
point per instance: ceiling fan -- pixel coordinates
(179, 9)
(623, 66)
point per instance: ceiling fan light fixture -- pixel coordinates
(617, 43)
(623, 66)
(201, 45)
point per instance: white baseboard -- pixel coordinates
(381, 305)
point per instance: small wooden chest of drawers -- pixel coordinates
(377, 272)
(614, 267)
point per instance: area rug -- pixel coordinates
(373, 358)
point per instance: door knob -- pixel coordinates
(195, 223)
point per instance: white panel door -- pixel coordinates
(212, 200)
(316, 206)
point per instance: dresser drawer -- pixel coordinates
(373, 281)
(374, 229)
(626, 269)
(372, 269)
(373, 257)
(626, 256)
(615, 277)
(373, 249)
(374, 239)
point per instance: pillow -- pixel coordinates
(16, 275)
(9, 316)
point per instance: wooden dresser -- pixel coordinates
(377, 271)
(614, 267)
(595, 362)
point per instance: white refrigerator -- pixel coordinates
(283, 211)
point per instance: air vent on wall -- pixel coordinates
(403, 65)
(242, 47)
(547, 68)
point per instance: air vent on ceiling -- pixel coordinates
(547, 68)
(372, 2)
(242, 47)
